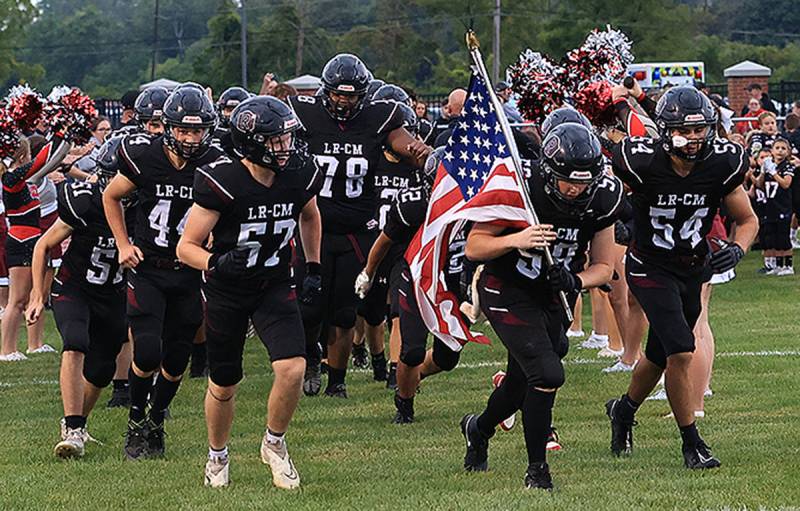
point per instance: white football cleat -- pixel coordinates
(15, 356)
(72, 444)
(619, 367)
(217, 473)
(44, 348)
(284, 474)
(784, 271)
(595, 342)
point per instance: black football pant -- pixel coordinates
(532, 327)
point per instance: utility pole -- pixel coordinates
(155, 43)
(496, 43)
(243, 19)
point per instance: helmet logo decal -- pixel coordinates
(346, 88)
(694, 118)
(290, 123)
(246, 121)
(580, 175)
(192, 119)
(551, 147)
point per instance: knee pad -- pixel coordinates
(176, 358)
(344, 318)
(99, 371)
(225, 374)
(445, 358)
(413, 357)
(547, 373)
(147, 352)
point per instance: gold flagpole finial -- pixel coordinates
(472, 40)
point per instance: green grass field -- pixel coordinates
(350, 456)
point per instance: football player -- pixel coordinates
(164, 309)
(576, 204)
(88, 298)
(678, 182)
(228, 100)
(251, 206)
(346, 134)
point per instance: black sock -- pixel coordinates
(164, 392)
(392, 367)
(75, 421)
(199, 355)
(690, 435)
(779, 261)
(627, 408)
(404, 405)
(537, 416)
(789, 261)
(120, 385)
(336, 376)
(379, 361)
(504, 400)
(139, 389)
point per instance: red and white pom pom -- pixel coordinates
(595, 102)
(9, 135)
(540, 84)
(604, 56)
(25, 106)
(70, 114)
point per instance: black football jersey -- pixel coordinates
(777, 201)
(673, 214)
(164, 193)
(253, 216)
(348, 154)
(91, 259)
(573, 233)
(390, 178)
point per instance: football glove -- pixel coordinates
(363, 284)
(312, 284)
(622, 235)
(562, 279)
(726, 258)
(231, 264)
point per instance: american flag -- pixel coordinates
(475, 182)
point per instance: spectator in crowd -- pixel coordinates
(452, 112)
(762, 97)
(128, 100)
(767, 132)
(796, 108)
(503, 90)
(753, 110)
(775, 181)
(421, 109)
(82, 169)
(791, 131)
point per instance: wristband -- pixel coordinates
(313, 268)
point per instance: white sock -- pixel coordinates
(220, 456)
(275, 439)
(770, 262)
(599, 336)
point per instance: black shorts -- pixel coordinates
(343, 257)
(164, 313)
(776, 234)
(530, 325)
(272, 306)
(414, 332)
(20, 253)
(92, 323)
(671, 303)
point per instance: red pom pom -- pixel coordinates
(9, 135)
(540, 84)
(71, 114)
(25, 106)
(594, 101)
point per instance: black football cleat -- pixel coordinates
(538, 477)
(312, 379)
(405, 410)
(360, 356)
(476, 458)
(120, 398)
(135, 441)
(339, 390)
(621, 430)
(379, 371)
(699, 457)
(155, 440)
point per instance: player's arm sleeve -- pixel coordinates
(621, 163)
(314, 182)
(74, 205)
(128, 165)
(613, 206)
(209, 192)
(390, 118)
(398, 228)
(739, 164)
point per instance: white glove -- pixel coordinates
(770, 167)
(363, 283)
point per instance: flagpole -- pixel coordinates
(474, 50)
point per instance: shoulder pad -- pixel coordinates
(381, 116)
(76, 201)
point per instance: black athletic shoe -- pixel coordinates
(338, 390)
(391, 379)
(405, 410)
(699, 457)
(312, 380)
(120, 398)
(155, 440)
(477, 457)
(621, 431)
(135, 441)
(379, 372)
(323, 367)
(538, 476)
(360, 356)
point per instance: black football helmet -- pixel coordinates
(150, 105)
(345, 75)
(410, 119)
(189, 107)
(392, 93)
(257, 123)
(562, 115)
(426, 176)
(230, 98)
(107, 160)
(571, 153)
(374, 85)
(685, 107)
